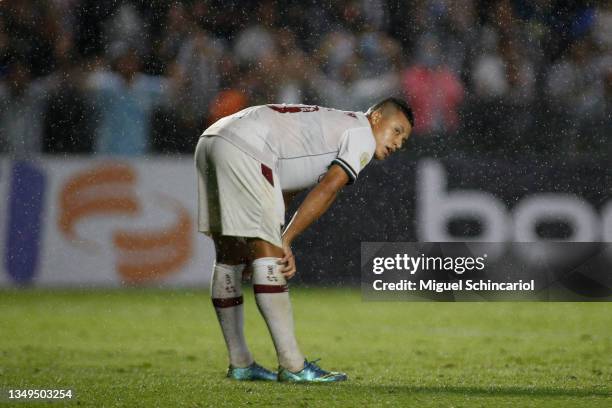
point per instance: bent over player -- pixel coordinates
(247, 163)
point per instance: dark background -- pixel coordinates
(382, 205)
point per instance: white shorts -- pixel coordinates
(237, 195)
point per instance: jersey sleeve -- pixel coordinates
(357, 147)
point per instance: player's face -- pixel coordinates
(391, 129)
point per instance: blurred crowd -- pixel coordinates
(134, 77)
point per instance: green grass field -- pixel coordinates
(164, 348)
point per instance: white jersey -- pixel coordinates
(300, 141)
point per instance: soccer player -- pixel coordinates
(248, 164)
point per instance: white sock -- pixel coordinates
(226, 294)
(272, 296)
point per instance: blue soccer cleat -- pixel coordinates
(254, 372)
(310, 373)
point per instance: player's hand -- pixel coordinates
(288, 261)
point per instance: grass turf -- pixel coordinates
(164, 348)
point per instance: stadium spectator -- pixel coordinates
(434, 91)
(178, 27)
(292, 86)
(68, 113)
(226, 103)
(602, 28)
(124, 99)
(22, 102)
(126, 26)
(574, 82)
(32, 27)
(257, 41)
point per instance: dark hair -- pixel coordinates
(399, 104)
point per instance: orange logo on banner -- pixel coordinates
(141, 255)
(104, 190)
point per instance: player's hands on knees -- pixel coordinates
(288, 268)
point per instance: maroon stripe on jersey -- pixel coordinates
(270, 288)
(267, 173)
(227, 302)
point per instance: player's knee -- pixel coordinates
(267, 277)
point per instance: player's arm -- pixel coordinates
(315, 204)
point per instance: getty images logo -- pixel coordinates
(436, 207)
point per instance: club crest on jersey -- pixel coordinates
(363, 159)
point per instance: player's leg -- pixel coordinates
(272, 296)
(226, 295)
(226, 278)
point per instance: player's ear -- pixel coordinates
(376, 115)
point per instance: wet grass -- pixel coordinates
(164, 348)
